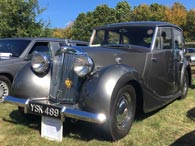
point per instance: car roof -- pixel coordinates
(140, 23)
(49, 39)
(35, 39)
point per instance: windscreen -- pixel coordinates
(133, 35)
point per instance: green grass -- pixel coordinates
(173, 125)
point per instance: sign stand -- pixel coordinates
(51, 128)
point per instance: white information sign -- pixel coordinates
(51, 128)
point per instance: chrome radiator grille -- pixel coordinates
(62, 70)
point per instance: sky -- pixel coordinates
(59, 13)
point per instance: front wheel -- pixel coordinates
(5, 86)
(122, 112)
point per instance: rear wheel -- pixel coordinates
(5, 86)
(185, 85)
(122, 113)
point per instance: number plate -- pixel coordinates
(44, 110)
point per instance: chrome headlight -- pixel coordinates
(40, 62)
(83, 65)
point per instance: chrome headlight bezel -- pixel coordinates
(83, 65)
(40, 62)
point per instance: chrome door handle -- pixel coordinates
(155, 59)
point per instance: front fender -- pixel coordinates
(98, 90)
(27, 84)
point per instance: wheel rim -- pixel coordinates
(4, 89)
(123, 112)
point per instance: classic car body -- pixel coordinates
(16, 52)
(127, 66)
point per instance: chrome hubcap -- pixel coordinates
(4, 90)
(122, 113)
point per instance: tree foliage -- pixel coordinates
(85, 23)
(176, 14)
(189, 28)
(63, 33)
(18, 19)
(123, 11)
(102, 15)
(157, 12)
(141, 13)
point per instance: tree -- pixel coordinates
(157, 12)
(104, 15)
(141, 13)
(123, 11)
(82, 27)
(85, 23)
(189, 29)
(64, 32)
(18, 19)
(176, 15)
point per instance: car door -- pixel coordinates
(162, 68)
(179, 55)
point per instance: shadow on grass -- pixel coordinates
(84, 131)
(191, 114)
(186, 140)
(71, 128)
(189, 138)
(140, 115)
(32, 121)
(192, 86)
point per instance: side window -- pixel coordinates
(40, 47)
(178, 39)
(166, 38)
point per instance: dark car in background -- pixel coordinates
(16, 52)
(128, 66)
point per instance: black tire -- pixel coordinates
(122, 113)
(5, 86)
(185, 85)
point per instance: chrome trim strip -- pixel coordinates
(65, 111)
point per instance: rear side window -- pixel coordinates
(178, 39)
(164, 39)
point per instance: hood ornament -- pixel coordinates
(118, 60)
(66, 49)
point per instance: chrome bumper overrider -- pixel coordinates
(65, 111)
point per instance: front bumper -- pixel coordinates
(65, 111)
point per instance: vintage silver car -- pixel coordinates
(16, 52)
(127, 66)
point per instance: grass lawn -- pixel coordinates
(173, 125)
